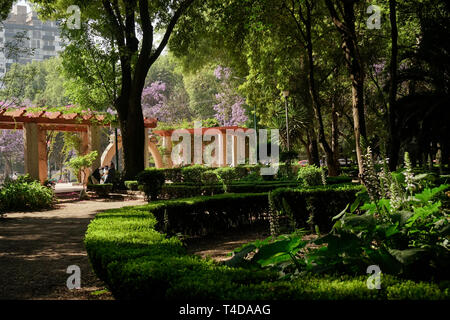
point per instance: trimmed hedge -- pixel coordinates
(311, 207)
(207, 215)
(184, 190)
(137, 262)
(152, 180)
(102, 190)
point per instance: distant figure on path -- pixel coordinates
(111, 174)
(96, 177)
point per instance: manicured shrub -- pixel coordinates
(209, 177)
(183, 190)
(24, 194)
(132, 185)
(311, 207)
(209, 214)
(173, 175)
(193, 174)
(310, 175)
(339, 179)
(152, 180)
(102, 190)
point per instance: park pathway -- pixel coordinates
(37, 247)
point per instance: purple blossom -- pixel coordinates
(111, 111)
(11, 144)
(379, 67)
(229, 108)
(222, 73)
(154, 102)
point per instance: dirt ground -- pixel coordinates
(36, 248)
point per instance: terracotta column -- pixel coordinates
(167, 144)
(93, 136)
(35, 145)
(223, 149)
(146, 146)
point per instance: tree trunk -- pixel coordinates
(393, 143)
(354, 65)
(314, 150)
(332, 167)
(132, 129)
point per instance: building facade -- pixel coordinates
(41, 36)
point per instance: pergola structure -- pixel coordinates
(35, 125)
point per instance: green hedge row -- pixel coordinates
(314, 206)
(137, 262)
(208, 214)
(185, 190)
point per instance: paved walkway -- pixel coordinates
(37, 247)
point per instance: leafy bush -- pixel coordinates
(209, 214)
(173, 174)
(310, 175)
(209, 177)
(394, 223)
(307, 208)
(24, 194)
(80, 163)
(132, 185)
(193, 174)
(152, 180)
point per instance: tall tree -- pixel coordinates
(130, 27)
(393, 139)
(5, 8)
(343, 15)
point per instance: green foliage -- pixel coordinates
(152, 180)
(412, 244)
(25, 194)
(81, 162)
(307, 206)
(209, 178)
(193, 174)
(184, 190)
(310, 175)
(136, 262)
(132, 185)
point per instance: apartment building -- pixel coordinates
(44, 37)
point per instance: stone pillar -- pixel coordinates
(35, 145)
(93, 136)
(167, 156)
(235, 151)
(223, 149)
(146, 146)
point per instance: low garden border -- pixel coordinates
(136, 261)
